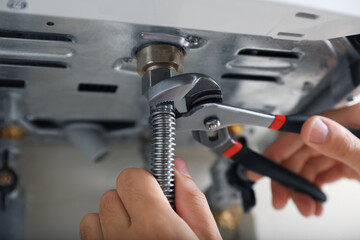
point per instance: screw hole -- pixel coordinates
(50, 23)
(307, 86)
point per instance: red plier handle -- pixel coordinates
(290, 123)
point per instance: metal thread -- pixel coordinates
(163, 136)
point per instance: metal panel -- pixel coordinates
(102, 52)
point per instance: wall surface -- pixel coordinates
(62, 186)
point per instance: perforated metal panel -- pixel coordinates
(77, 69)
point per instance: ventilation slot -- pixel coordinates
(32, 63)
(111, 125)
(269, 53)
(102, 88)
(287, 34)
(248, 77)
(307, 15)
(12, 83)
(37, 36)
(355, 41)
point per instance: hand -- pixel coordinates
(324, 152)
(138, 209)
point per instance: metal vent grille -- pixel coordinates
(61, 61)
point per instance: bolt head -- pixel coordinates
(212, 124)
(193, 40)
(17, 4)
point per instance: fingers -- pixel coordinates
(295, 163)
(114, 218)
(318, 208)
(332, 140)
(280, 195)
(345, 116)
(306, 205)
(90, 228)
(278, 153)
(335, 173)
(133, 186)
(316, 165)
(191, 204)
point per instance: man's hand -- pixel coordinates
(138, 209)
(324, 152)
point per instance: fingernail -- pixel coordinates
(181, 166)
(319, 132)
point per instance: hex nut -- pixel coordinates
(159, 56)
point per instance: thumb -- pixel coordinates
(332, 140)
(191, 204)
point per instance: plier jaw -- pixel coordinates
(218, 140)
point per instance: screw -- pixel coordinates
(307, 86)
(127, 59)
(193, 40)
(17, 4)
(212, 124)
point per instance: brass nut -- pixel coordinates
(159, 56)
(5, 178)
(12, 132)
(228, 219)
(236, 130)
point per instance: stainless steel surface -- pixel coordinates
(53, 92)
(219, 141)
(90, 139)
(163, 136)
(17, 4)
(11, 107)
(227, 115)
(190, 41)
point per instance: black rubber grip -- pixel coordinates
(238, 179)
(260, 164)
(293, 123)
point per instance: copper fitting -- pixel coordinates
(12, 132)
(228, 219)
(159, 56)
(236, 130)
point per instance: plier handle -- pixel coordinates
(221, 142)
(228, 116)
